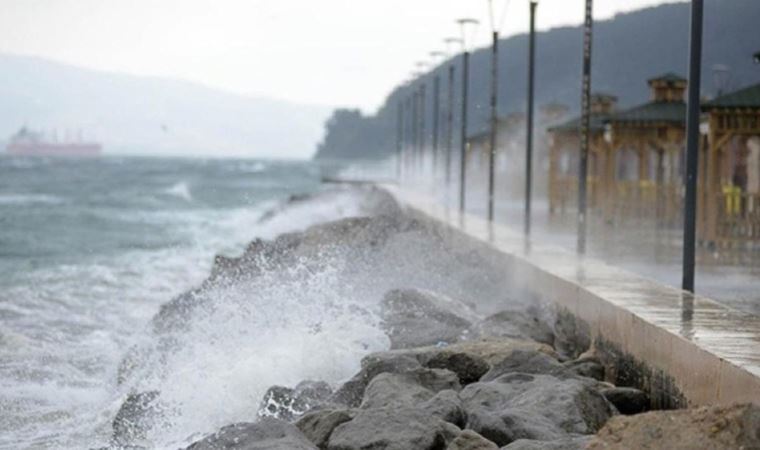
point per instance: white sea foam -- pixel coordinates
(181, 190)
(25, 199)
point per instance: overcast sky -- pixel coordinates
(330, 52)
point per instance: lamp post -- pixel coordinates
(464, 23)
(494, 112)
(692, 145)
(529, 118)
(450, 114)
(436, 113)
(585, 126)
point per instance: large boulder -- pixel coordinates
(290, 403)
(393, 429)
(527, 361)
(318, 426)
(351, 393)
(706, 428)
(267, 434)
(408, 388)
(447, 406)
(138, 414)
(415, 318)
(627, 400)
(516, 324)
(531, 406)
(470, 440)
(570, 443)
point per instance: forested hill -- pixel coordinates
(628, 49)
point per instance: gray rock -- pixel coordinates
(571, 443)
(627, 400)
(267, 434)
(468, 367)
(414, 318)
(137, 415)
(470, 440)
(515, 324)
(289, 404)
(587, 367)
(541, 407)
(447, 406)
(317, 426)
(572, 337)
(351, 393)
(392, 429)
(408, 388)
(527, 361)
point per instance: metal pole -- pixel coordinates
(415, 132)
(436, 121)
(494, 122)
(585, 127)
(399, 136)
(692, 145)
(463, 147)
(450, 127)
(529, 132)
(423, 136)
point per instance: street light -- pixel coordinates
(529, 118)
(464, 24)
(494, 112)
(756, 58)
(450, 112)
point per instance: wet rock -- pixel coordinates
(707, 428)
(527, 361)
(587, 367)
(351, 393)
(267, 434)
(627, 400)
(138, 414)
(470, 440)
(571, 443)
(408, 388)
(317, 426)
(288, 404)
(447, 406)
(415, 318)
(572, 337)
(526, 406)
(516, 325)
(392, 429)
(468, 367)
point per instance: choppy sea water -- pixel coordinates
(89, 250)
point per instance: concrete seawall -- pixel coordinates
(684, 350)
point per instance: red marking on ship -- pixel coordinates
(29, 143)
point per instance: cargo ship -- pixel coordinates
(31, 143)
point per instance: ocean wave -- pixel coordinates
(25, 199)
(181, 190)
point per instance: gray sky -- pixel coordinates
(332, 52)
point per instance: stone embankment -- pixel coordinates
(452, 379)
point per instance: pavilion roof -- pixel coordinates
(653, 112)
(596, 123)
(748, 97)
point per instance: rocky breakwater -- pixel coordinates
(454, 374)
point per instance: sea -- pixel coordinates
(89, 251)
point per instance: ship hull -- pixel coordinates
(67, 150)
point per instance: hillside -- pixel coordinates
(628, 49)
(145, 115)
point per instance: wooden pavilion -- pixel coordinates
(643, 169)
(729, 194)
(564, 156)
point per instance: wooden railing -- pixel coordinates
(738, 218)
